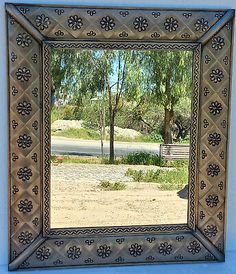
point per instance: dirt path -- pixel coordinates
(78, 201)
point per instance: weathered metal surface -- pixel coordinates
(32, 31)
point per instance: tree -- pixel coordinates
(84, 73)
(124, 78)
(170, 79)
(182, 119)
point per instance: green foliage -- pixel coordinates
(81, 133)
(176, 163)
(169, 76)
(106, 161)
(77, 159)
(65, 112)
(92, 134)
(109, 186)
(140, 84)
(54, 115)
(153, 137)
(142, 158)
(171, 179)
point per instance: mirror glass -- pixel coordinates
(120, 135)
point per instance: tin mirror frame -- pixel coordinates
(32, 31)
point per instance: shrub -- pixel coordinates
(154, 137)
(168, 179)
(142, 158)
(109, 186)
(177, 163)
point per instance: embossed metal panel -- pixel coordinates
(32, 31)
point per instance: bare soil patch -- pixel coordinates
(78, 201)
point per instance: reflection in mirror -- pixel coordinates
(120, 134)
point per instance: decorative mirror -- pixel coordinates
(118, 135)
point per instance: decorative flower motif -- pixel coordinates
(35, 190)
(215, 107)
(217, 43)
(123, 34)
(43, 253)
(135, 250)
(124, 13)
(25, 264)
(91, 12)
(212, 200)
(203, 185)
(23, 40)
(214, 139)
(73, 252)
(165, 248)
(24, 108)
(213, 170)
(25, 206)
(91, 33)
(42, 21)
(15, 221)
(104, 251)
(156, 14)
(59, 33)
(140, 23)
(210, 231)
(194, 247)
(24, 173)
(35, 125)
(35, 221)
(23, 74)
(107, 23)
(171, 24)
(15, 189)
(13, 57)
(201, 25)
(75, 22)
(25, 237)
(24, 141)
(216, 75)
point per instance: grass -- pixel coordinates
(138, 158)
(92, 134)
(176, 163)
(142, 158)
(109, 186)
(168, 179)
(82, 133)
(77, 160)
(173, 178)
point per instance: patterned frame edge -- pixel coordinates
(32, 31)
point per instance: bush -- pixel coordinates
(177, 163)
(108, 186)
(142, 158)
(66, 112)
(172, 179)
(154, 137)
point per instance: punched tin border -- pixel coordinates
(32, 30)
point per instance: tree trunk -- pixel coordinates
(112, 127)
(112, 133)
(168, 120)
